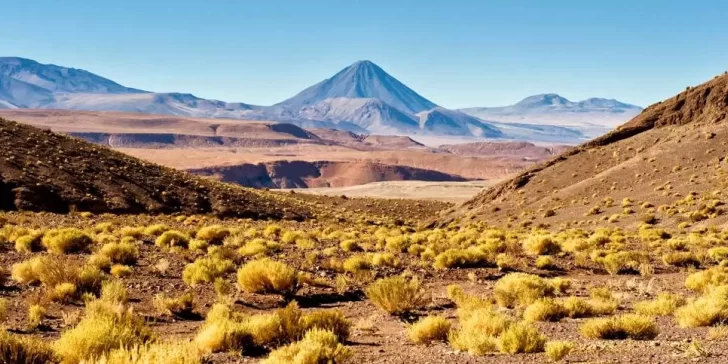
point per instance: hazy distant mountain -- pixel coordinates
(362, 80)
(18, 94)
(551, 109)
(152, 103)
(361, 98)
(58, 79)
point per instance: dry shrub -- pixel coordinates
(24, 350)
(69, 240)
(267, 276)
(172, 238)
(478, 331)
(521, 289)
(635, 327)
(429, 329)
(225, 329)
(29, 243)
(317, 346)
(521, 338)
(681, 259)
(396, 295)
(707, 279)
(214, 234)
(52, 271)
(544, 309)
(541, 244)
(206, 269)
(120, 271)
(3, 310)
(155, 230)
(36, 314)
(665, 304)
(557, 350)
(545, 262)
(466, 303)
(623, 262)
(709, 309)
(105, 326)
(461, 258)
(158, 353)
(357, 263)
(182, 306)
(121, 253)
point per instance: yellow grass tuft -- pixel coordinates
(521, 289)
(396, 295)
(636, 327)
(267, 276)
(557, 350)
(429, 329)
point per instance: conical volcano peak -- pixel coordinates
(363, 79)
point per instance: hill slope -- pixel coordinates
(43, 171)
(672, 150)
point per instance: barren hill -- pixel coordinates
(523, 149)
(304, 174)
(44, 171)
(668, 162)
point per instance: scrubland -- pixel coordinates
(85, 288)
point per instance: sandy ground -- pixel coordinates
(442, 191)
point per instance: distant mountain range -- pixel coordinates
(361, 98)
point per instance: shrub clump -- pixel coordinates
(267, 276)
(461, 258)
(104, 327)
(557, 350)
(69, 240)
(317, 346)
(206, 269)
(665, 304)
(172, 238)
(396, 295)
(522, 289)
(635, 327)
(709, 309)
(25, 350)
(429, 329)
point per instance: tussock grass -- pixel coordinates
(478, 331)
(396, 295)
(664, 304)
(69, 240)
(521, 338)
(214, 234)
(541, 244)
(125, 252)
(267, 276)
(705, 280)
(172, 238)
(158, 353)
(53, 271)
(544, 309)
(636, 327)
(317, 346)
(521, 289)
(557, 350)
(429, 329)
(709, 309)
(206, 269)
(181, 306)
(105, 326)
(17, 349)
(461, 258)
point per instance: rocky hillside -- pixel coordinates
(667, 165)
(44, 171)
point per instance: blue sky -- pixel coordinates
(456, 53)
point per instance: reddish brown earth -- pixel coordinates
(517, 149)
(302, 174)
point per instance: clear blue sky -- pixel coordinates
(456, 53)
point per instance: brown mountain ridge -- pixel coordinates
(44, 171)
(667, 163)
